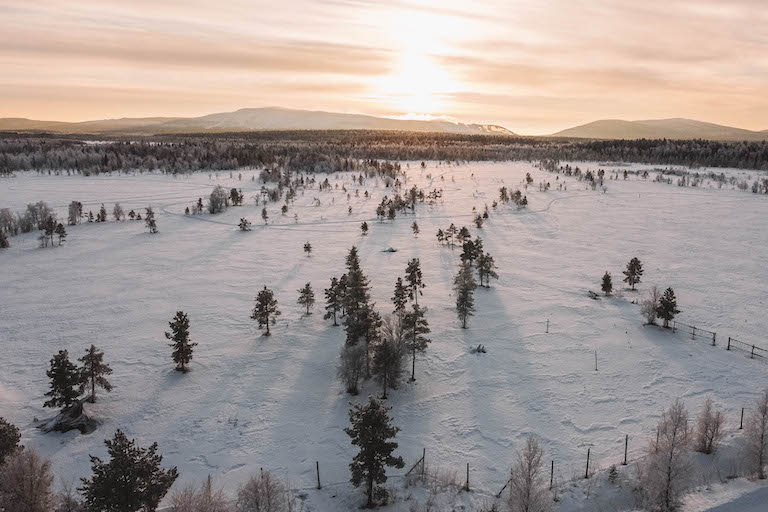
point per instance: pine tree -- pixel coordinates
(440, 236)
(308, 248)
(132, 480)
(307, 297)
(414, 278)
(332, 301)
(132, 214)
(265, 309)
(264, 215)
(634, 272)
(117, 212)
(372, 431)
(486, 269)
(464, 286)
(65, 379)
(463, 235)
(387, 355)
(4, 243)
(9, 439)
(667, 308)
(607, 285)
(415, 326)
(450, 233)
(179, 336)
(479, 221)
(102, 213)
(356, 300)
(342, 293)
(364, 228)
(468, 252)
(60, 232)
(415, 229)
(90, 216)
(400, 298)
(149, 220)
(93, 372)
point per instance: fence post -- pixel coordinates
(466, 486)
(317, 467)
(729, 343)
(693, 333)
(547, 325)
(586, 472)
(741, 422)
(552, 475)
(752, 355)
(674, 325)
(714, 337)
(423, 461)
(626, 445)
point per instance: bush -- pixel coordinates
(265, 493)
(204, 499)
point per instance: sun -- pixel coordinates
(417, 85)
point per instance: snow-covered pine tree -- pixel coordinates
(93, 372)
(667, 308)
(179, 336)
(245, 224)
(133, 479)
(414, 279)
(372, 432)
(450, 233)
(400, 298)
(415, 229)
(132, 214)
(342, 293)
(464, 285)
(65, 379)
(415, 327)
(265, 309)
(364, 228)
(90, 216)
(479, 221)
(102, 213)
(332, 301)
(463, 235)
(388, 354)
(607, 285)
(633, 273)
(440, 237)
(308, 248)
(117, 212)
(149, 220)
(486, 269)
(306, 297)
(60, 232)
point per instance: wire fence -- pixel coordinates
(696, 332)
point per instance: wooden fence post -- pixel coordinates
(752, 355)
(423, 461)
(466, 486)
(586, 473)
(741, 422)
(693, 333)
(626, 445)
(674, 325)
(547, 325)
(714, 337)
(729, 343)
(552, 475)
(317, 467)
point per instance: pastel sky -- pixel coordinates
(534, 66)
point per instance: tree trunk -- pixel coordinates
(413, 366)
(267, 325)
(370, 493)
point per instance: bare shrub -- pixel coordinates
(67, 499)
(665, 474)
(25, 483)
(528, 489)
(350, 367)
(650, 304)
(709, 428)
(756, 433)
(202, 499)
(265, 493)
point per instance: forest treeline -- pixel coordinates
(328, 151)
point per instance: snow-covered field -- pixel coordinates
(255, 402)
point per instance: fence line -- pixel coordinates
(754, 351)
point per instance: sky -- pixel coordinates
(533, 66)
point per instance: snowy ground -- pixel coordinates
(253, 402)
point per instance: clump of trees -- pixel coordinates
(218, 201)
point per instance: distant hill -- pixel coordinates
(249, 119)
(660, 129)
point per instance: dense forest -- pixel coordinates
(310, 151)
